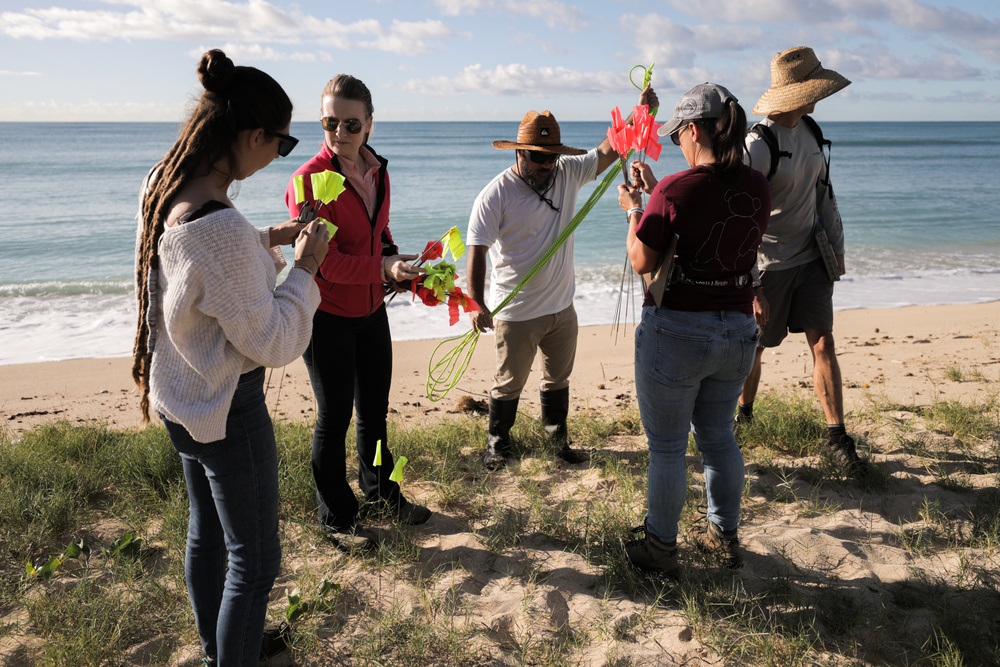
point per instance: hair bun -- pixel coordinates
(215, 71)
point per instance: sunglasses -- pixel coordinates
(676, 136)
(285, 142)
(352, 125)
(542, 158)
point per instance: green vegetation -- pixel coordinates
(526, 566)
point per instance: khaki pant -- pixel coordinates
(554, 335)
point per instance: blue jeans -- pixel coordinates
(233, 494)
(689, 371)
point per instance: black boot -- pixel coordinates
(502, 416)
(555, 410)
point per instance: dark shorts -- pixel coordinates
(800, 298)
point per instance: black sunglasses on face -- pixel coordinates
(542, 158)
(285, 143)
(676, 136)
(352, 125)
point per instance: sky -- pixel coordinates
(441, 60)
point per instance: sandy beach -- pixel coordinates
(902, 354)
(829, 540)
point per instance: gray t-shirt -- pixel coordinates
(798, 199)
(518, 227)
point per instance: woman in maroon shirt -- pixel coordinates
(694, 349)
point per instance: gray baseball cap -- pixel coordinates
(706, 100)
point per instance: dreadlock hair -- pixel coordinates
(235, 99)
(348, 87)
(728, 133)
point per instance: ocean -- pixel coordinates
(919, 201)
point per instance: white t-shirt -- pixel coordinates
(518, 227)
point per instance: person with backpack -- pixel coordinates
(802, 253)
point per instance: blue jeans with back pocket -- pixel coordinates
(233, 494)
(689, 371)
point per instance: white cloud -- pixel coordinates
(91, 110)
(456, 7)
(245, 52)
(255, 22)
(881, 63)
(518, 80)
(663, 40)
(8, 72)
(874, 17)
(555, 14)
(408, 38)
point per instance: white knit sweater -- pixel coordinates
(220, 315)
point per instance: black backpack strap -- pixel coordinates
(765, 133)
(824, 147)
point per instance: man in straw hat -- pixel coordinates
(515, 220)
(796, 287)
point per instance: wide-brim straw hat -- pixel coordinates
(797, 80)
(538, 132)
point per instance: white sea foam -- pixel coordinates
(66, 326)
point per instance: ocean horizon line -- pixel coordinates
(478, 122)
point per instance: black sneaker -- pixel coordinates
(573, 456)
(650, 554)
(724, 546)
(357, 538)
(412, 514)
(842, 451)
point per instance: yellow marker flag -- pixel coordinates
(378, 453)
(300, 189)
(397, 470)
(327, 185)
(455, 245)
(330, 227)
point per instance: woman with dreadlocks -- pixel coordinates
(210, 319)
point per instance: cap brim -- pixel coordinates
(670, 127)
(558, 150)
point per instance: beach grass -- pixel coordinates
(525, 566)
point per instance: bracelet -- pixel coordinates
(301, 265)
(635, 209)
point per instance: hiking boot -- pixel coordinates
(724, 545)
(842, 451)
(358, 538)
(573, 456)
(411, 514)
(275, 650)
(650, 554)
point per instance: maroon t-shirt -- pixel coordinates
(719, 224)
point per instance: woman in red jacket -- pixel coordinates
(349, 358)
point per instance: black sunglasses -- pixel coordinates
(285, 143)
(676, 136)
(352, 125)
(542, 158)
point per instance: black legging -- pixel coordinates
(349, 360)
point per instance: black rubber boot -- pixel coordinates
(502, 417)
(555, 410)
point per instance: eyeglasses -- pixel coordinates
(676, 136)
(352, 125)
(285, 143)
(542, 158)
